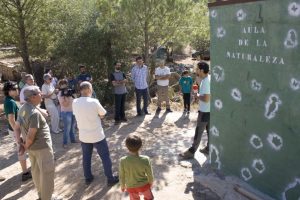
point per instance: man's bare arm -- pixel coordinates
(205, 98)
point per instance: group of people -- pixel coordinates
(30, 129)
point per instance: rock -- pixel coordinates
(185, 164)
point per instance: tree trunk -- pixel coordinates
(110, 68)
(23, 47)
(146, 44)
(109, 57)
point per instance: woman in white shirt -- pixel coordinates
(50, 99)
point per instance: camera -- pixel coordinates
(68, 92)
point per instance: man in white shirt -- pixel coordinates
(203, 112)
(162, 75)
(29, 81)
(88, 113)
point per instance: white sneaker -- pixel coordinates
(56, 198)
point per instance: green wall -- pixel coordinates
(255, 109)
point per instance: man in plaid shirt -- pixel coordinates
(139, 75)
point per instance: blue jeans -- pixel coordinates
(139, 94)
(69, 126)
(120, 106)
(102, 149)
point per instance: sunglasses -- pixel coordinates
(35, 94)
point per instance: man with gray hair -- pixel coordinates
(29, 81)
(37, 141)
(88, 112)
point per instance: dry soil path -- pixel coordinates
(165, 136)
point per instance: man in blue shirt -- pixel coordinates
(83, 76)
(139, 75)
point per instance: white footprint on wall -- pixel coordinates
(221, 32)
(214, 131)
(256, 142)
(256, 86)
(275, 141)
(236, 94)
(218, 73)
(272, 106)
(295, 84)
(294, 9)
(213, 14)
(246, 174)
(258, 165)
(240, 15)
(214, 150)
(291, 186)
(291, 40)
(218, 104)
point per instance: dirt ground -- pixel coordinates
(164, 135)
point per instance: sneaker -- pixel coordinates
(187, 155)
(89, 181)
(26, 176)
(168, 110)
(185, 110)
(147, 113)
(2, 178)
(139, 114)
(112, 182)
(56, 198)
(64, 146)
(205, 150)
(158, 109)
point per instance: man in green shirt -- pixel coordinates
(37, 142)
(11, 109)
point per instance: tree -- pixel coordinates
(155, 22)
(18, 20)
(199, 36)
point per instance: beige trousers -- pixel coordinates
(163, 95)
(42, 169)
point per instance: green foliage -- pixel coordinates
(34, 24)
(200, 36)
(98, 32)
(155, 22)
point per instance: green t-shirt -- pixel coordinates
(30, 117)
(135, 171)
(10, 107)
